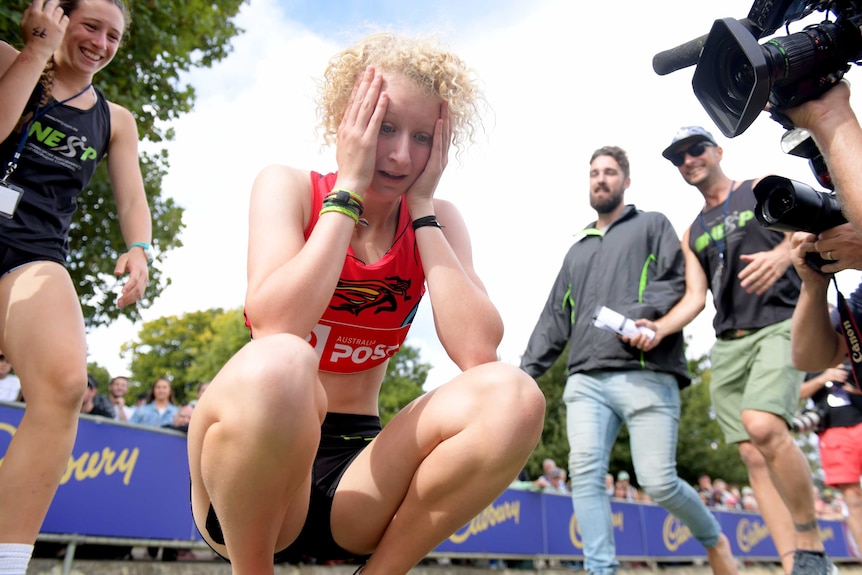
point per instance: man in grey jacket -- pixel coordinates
(630, 262)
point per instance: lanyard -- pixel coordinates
(720, 242)
(851, 336)
(25, 130)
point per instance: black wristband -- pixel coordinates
(426, 221)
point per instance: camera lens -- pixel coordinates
(739, 81)
(779, 202)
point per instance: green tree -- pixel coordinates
(166, 39)
(554, 443)
(220, 340)
(168, 347)
(701, 447)
(405, 376)
(100, 374)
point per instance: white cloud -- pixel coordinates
(561, 81)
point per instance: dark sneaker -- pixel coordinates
(812, 563)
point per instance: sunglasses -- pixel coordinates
(695, 151)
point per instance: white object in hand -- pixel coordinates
(616, 322)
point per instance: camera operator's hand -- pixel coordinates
(842, 244)
(763, 269)
(802, 243)
(822, 114)
(837, 375)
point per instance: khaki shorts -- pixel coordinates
(753, 372)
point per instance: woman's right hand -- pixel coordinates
(356, 147)
(43, 26)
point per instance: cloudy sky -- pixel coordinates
(562, 79)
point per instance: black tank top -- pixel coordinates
(736, 231)
(59, 158)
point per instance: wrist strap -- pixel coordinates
(341, 210)
(147, 250)
(426, 221)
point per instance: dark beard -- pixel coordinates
(606, 206)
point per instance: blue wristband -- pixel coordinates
(148, 250)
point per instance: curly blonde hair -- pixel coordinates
(437, 71)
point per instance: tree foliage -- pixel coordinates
(405, 376)
(701, 447)
(187, 349)
(166, 39)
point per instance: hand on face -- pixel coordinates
(358, 132)
(43, 26)
(422, 190)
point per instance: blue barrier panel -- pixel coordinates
(512, 525)
(564, 535)
(562, 529)
(121, 481)
(668, 536)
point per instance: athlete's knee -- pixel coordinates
(275, 374)
(509, 391)
(767, 431)
(278, 361)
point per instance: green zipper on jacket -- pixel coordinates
(641, 290)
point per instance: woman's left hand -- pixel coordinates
(134, 263)
(421, 192)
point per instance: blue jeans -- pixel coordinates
(597, 403)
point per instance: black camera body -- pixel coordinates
(789, 206)
(736, 77)
(807, 420)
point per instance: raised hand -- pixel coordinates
(422, 191)
(357, 134)
(43, 26)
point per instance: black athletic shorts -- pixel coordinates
(342, 437)
(12, 258)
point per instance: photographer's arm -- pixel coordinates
(811, 386)
(692, 303)
(837, 133)
(814, 342)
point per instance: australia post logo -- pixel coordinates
(347, 347)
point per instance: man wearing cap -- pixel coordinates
(629, 261)
(754, 387)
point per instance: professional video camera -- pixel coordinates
(736, 77)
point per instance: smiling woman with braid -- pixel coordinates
(55, 126)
